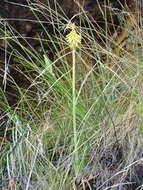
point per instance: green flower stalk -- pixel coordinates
(74, 40)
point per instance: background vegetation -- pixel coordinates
(40, 147)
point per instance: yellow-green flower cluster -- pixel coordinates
(73, 39)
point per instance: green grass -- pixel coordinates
(62, 112)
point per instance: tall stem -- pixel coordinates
(75, 155)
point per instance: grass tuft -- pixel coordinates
(71, 114)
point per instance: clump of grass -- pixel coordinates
(62, 113)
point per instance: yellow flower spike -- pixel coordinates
(73, 38)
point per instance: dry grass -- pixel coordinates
(36, 145)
